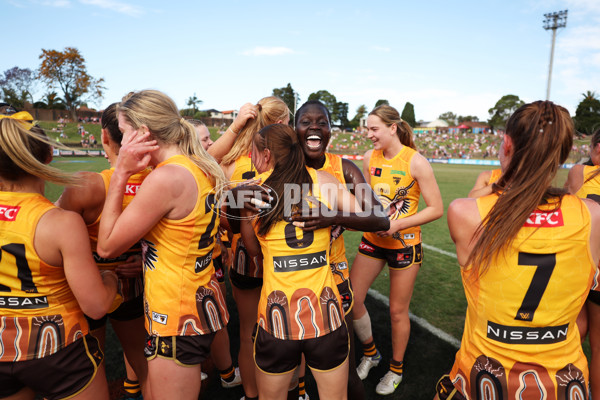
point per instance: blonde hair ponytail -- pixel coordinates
(159, 113)
(24, 150)
(269, 110)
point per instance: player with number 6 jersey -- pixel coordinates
(300, 310)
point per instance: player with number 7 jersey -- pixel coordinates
(524, 307)
(528, 254)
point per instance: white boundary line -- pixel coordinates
(437, 332)
(444, 252)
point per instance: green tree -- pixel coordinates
(193, 101)
(67, 71)
(504, 108)
(289, 96)
(467, 118)
(449, 117)
(50, 101)
(338, 110)
(341, 110)
(587, 115)
(17, 85)
(326, 98)
(408, 114)
(381, 102)
(361, 111)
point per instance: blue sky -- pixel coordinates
(439, 55)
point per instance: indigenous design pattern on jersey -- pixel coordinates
(128, 288)
(397, 190)
(520, 338)
(39, 314)
(182, 295)
(299, 297)
(242, 264)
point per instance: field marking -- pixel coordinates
(423, 323)
(444, 252)
(437, 332)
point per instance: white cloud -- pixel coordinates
(17, 4)
(580, 38)
(268, 51)
(56, 3)
(116, 6)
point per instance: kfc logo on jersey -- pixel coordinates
(8, 213)
(131, 189)
(375, 171)
(542, 219)
(365, 247)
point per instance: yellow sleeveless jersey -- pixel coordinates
(397, 189)
(129, 288)
(496, 174)
(591, 190)
(243, 170)
(39, 314)
(337, 256)
(181, 293)
(520, 339)
(299, 298)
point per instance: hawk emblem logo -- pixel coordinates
(149, 255)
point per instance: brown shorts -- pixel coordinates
(187, 351)
(219, 270)
(446, 390)
(127, 311)
(594, 297)
(279, 356)
(347, 295)
(244, 282)
(62, 375)
(396, 258)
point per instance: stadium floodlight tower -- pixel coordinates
(554, 21)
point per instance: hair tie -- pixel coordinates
(21, 116)
(182, 120)
(259, 106)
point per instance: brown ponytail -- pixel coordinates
(542, 136)
(289, 168)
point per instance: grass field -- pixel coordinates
(438, 295)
